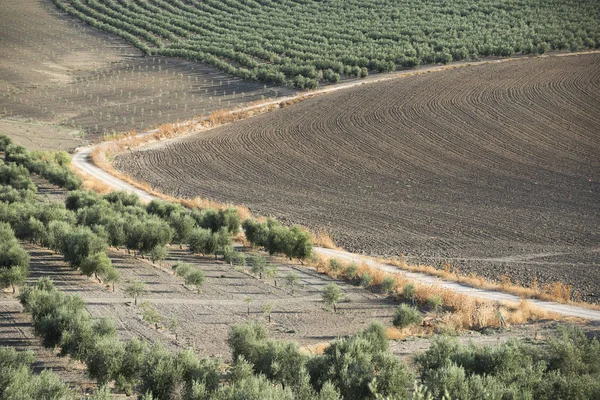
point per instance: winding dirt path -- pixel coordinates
(81, 161)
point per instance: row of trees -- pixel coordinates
(355, 367)
(287, 43)
(564, 367)
(55, 167)
(61, 321)
(83, 227)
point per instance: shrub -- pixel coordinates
(135, 290)
(104, 359)
(258, 265)
(361, 366)
(409, 291)
(5, 141)
(255, 232)
(12, 276)
(81, 199)
(230, 220)
(122, 198)
(222, 241)
(292, 280)
(406, 315)
(163, 209)
(183, 225)
(97, 264)
(17, 380)
(158, 253)
(182, 269)
(351, 271)
(435, 302)
(335, 265)
(366, 279)
(56, 235)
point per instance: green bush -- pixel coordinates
(164, 209)
(5, 141)
(361, 366)
(183, 225)
(565, 367)
(202, 241)
(351, 271)
(196, 278)
(388, 284)
(406, 315)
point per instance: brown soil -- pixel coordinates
(54, 70)
(205, 318)
(491, 168)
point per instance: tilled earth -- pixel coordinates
(491, 168)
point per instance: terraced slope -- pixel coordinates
(492, 168)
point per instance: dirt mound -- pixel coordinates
(492, 168)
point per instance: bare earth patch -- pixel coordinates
(205, 318)
(57, 71)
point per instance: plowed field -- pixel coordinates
(493, 168)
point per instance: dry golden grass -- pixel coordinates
(463, 311)
(93, 184)
(556, 291)
(322, 239)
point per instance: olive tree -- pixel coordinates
(135, 290)
(258, 265)
(195, 278)
(15, 275)
(332, 294)
(80, 244)
(292, 281)
(183, 225)
(98, 265)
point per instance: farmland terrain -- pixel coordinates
(491, 168)
(63, 83)
(304, 43)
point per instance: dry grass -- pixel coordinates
(462, 311)
(556, 291)
(323, 239)
(93, 184)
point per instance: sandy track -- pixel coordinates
(467, 166)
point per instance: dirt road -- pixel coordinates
(81, 160)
